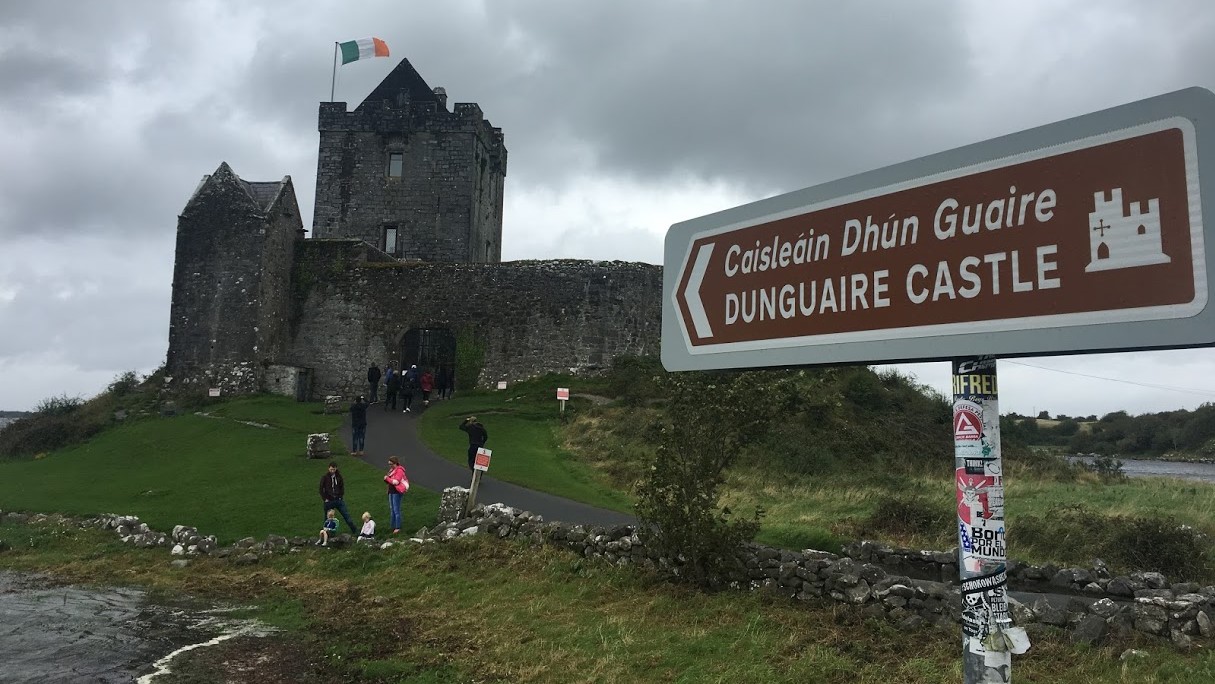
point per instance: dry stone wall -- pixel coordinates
(1181, 612)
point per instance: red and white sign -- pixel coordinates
(481, 461)
(967, 425)
(563, 393)
(1080, 236)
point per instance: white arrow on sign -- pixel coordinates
(691, 293)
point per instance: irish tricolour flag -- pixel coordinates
(363, 48)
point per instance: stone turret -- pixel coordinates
(229, 318)
(410, 177)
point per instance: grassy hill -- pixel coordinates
(487, 611)
(213, 472)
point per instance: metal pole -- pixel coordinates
(979, 480)
(333, 79)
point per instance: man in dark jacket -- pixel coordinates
(391, 387)
(333, 488)
(358, 426)
(373, 379)
(477, 437)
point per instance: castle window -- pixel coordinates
(396, 162)
(390, 240)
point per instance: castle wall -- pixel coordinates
(447, 202)
(532, 317)
(283, 228)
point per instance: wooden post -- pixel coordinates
(472, 493)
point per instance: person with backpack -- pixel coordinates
(392, 387)
(477, 437)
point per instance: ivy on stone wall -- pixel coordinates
(470, 358)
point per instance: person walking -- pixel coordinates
(333, 489)
(373, 381)
(391, 388)
(477, 437)
(409, 382)
(427, 383)
(398, 484)
(443, 382)
(358, 426)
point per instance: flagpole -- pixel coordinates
(333, 81)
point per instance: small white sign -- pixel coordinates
(213, 392)
(563, 393)
(501, 384)
(482, 461)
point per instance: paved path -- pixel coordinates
(393, 433)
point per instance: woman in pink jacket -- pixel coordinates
(398, 484)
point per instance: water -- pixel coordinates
(1203, 472)
(75, 634)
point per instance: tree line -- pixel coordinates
(1181, 432)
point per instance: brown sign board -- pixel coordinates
(1084, 235)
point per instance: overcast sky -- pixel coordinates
(621, 118)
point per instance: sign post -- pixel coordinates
(1085, 235)
(563, 395)
(988, 637)
(480, 465)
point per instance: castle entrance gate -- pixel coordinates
(433, 348)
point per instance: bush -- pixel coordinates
(635, 379)
(61, 405)
(1163, 545)
(124, 384)
(1070, 533)
(713, 416)
(1108, 468)
(911, 515)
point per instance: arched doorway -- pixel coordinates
(433, 348)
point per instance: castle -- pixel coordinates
(403, 265)
(1123, 239)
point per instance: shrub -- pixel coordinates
(1070, 533)
(124, 384)
(470, 359)
(61, 405)
(1108, 468)
(713, 416)
(1163, 545)
(911, 515)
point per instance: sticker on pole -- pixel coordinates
(967, 422)
(482, 460)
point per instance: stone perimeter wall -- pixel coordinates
(353, 305)
(801, 576)
(1180, 612)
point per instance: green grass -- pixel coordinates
(523, 424)
(221, 476)
(486, 610)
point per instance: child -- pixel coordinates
(329, 528)
(368, 531)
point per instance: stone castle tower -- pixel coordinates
(232, 281)
(409, 177)
(403, 266)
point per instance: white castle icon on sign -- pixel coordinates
(1120, 239)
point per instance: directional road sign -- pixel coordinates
(1083, 235)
